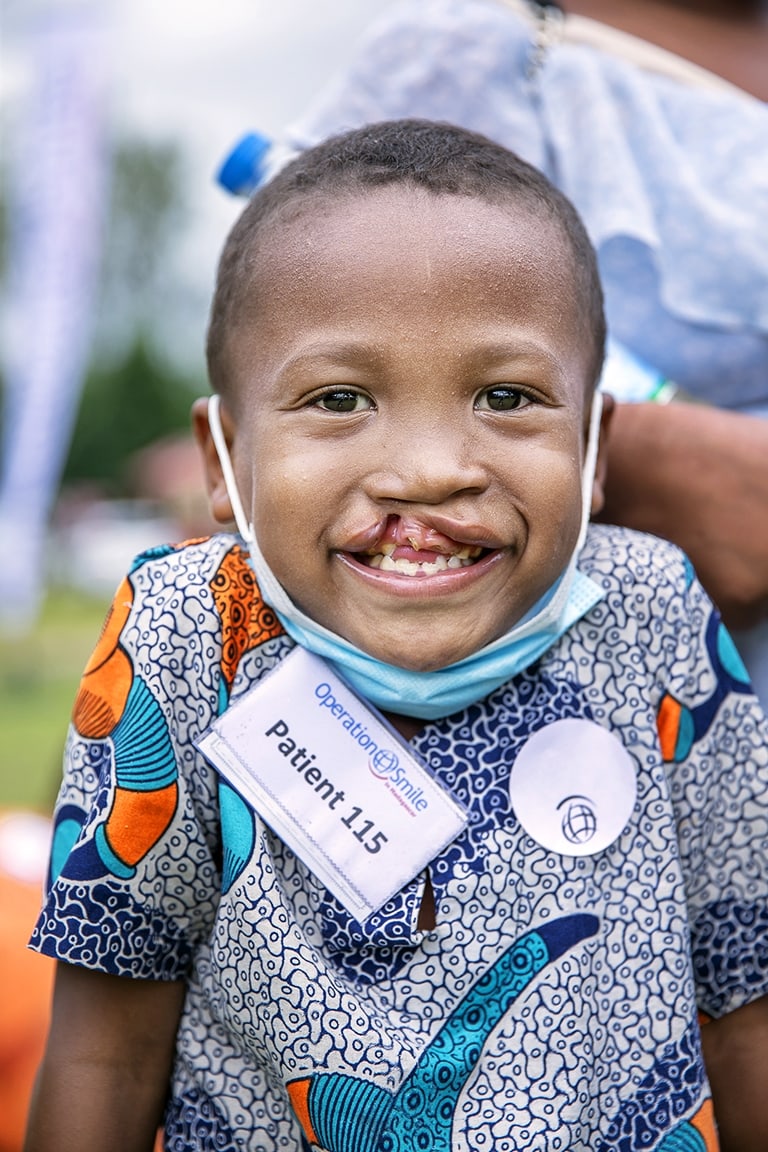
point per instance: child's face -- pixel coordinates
(409, 427)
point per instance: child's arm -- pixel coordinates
(736, 1056)
(106, 1070)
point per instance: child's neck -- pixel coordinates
(407, 726)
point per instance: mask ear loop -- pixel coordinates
(217, 433)
(271, 589)
(590, 464)
(557, 604)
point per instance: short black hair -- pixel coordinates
(441, 158)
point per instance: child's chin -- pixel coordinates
(413, 655)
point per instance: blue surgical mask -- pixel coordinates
(430, 695)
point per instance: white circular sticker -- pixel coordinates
(573, 787)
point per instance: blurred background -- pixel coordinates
(115, 116)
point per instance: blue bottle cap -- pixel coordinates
(242, 170)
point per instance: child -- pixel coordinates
(405, 338)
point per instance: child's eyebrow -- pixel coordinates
(344, 352)
(514, 347)
(519, 354)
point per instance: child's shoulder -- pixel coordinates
(190, 562)
(621, 559)
(195, 579)
(198, 600)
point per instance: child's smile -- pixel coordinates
(410, 547)
(410, 415)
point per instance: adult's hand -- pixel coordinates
(697, 476)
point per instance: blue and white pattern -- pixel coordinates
(554, 1006)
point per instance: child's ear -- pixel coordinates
(601, 466)
(218, 498)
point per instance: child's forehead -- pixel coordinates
(363, 224)
(399, 205)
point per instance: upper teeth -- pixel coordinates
(440, 563)
(467, 552)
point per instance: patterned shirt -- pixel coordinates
(557, 1002)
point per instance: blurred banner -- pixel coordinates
(58, 169)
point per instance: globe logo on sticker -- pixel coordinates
(573, 787)
(579, 820)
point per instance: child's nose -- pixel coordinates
(426, 466)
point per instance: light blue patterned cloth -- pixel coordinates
(671, 180)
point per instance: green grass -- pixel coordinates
(39, 675)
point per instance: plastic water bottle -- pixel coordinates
(630, 380)
(253, 161)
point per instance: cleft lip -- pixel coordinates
(427, 534)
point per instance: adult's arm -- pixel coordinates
(105, 1073)
(697, 476)
(736, 1056)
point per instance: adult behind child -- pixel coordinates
(666, 164)
(708, 486)
(405, 340)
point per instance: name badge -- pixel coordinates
(334, 781)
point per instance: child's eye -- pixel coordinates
(343, 400)
(502, 398)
